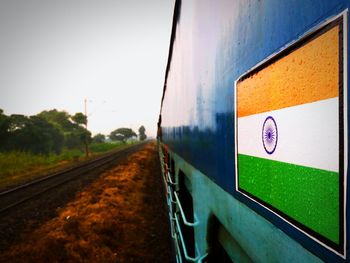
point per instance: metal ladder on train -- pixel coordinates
(176, 232)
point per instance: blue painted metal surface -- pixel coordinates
(218, 44)
(215, 42)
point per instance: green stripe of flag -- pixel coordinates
(308, 195)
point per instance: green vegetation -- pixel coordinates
(142, 134)
(31, 146)
(76, 136)
(23, 166)
(122, 134)
(17, 167)
(104, 147)
(45, 133)
(14, 162)
(99, 138)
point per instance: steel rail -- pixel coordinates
(28, 191)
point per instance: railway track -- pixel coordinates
(13, 197)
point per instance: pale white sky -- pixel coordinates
(55, 53)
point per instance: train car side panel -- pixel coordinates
(223, 48)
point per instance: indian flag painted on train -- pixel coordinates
(287, 135)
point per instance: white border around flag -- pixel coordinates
(344, 16)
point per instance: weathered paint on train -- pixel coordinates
(216, 47)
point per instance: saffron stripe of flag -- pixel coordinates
(309, 74)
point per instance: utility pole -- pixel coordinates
(86, 127)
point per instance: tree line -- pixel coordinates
(121, 134)
(52, 131)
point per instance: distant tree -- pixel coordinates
(99, 138)
(44, 133)
(19, 138)
(33, 134)
(77, 138)
(59, 118)
(4, 127)
(122, 134)
(18, 122)
(79, 118)
(44, 137)
(142, 134)
(75, 135)
(115, 137)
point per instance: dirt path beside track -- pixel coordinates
(121, 217)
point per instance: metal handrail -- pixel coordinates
(174, 236)
(184, 249)
(168, 201)
(173, 233)
(195, 223)
(178, 252)
(169, 179)
(171, 198)
(166, 166)
(171, 217)
(202, 257)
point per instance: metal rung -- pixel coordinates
(168, 201)
(170, 196)
(184, 249)
(172, 219)
(174, 237)
(178, 252)
(195, 223)
(169, 179)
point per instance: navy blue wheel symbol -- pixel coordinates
(269, 135)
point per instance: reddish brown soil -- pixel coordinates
(121, 217)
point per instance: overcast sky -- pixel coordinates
(56, 53)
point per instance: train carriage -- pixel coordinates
(253, 131)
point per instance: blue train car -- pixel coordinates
(253, 131)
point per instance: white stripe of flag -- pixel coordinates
(308, 135)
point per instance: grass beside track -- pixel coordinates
(20, 167)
